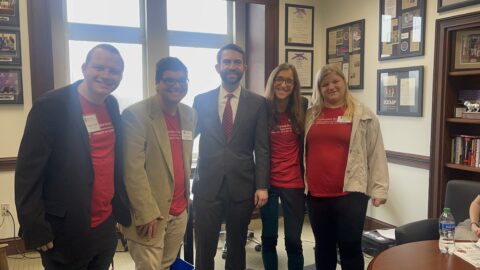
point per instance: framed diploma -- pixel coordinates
(298, 25)
(400, 91)
(444, 5)
(402, 29)
(303, 62)
(345, 47)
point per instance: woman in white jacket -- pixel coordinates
(345, 164)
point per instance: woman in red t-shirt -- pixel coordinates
(345, 165)
(286, 120)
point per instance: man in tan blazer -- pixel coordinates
(158, 152)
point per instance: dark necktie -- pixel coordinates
(227, 120)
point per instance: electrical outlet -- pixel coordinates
(4, 208)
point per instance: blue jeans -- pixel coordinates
(293, 206)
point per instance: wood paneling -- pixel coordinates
(8, 164)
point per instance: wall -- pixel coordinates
(408, 196)
(12, 121)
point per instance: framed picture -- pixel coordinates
(9, 13)
(444, 5)
(345, 48)
(10, 47)
(303, 62)
(402, 29)
(400, 91)
(298, 25)
(11, 90)
(467, 49)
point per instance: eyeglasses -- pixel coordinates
(172, 82)
(281, 80)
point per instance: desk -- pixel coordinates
(417, 255)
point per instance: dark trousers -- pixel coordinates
(293, 206)
(209, 215)
(338, 221)
(98, 257)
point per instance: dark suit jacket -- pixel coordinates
(54, 175)
(244, 161)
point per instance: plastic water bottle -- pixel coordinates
(446, 229)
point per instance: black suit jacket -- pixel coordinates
(244, 161)
(54, 175)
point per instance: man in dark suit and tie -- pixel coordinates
(234, 162)
(69, 190)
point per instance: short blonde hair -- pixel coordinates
(317, 98)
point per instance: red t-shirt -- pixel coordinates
(101, 136)
(328, 141)
(285, 169)
(179, 202)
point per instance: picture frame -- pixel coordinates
(444, 5)
(299, 25)
(400, 91)
(402, 29)
(466, 50)
(11, 89)
(345, 48)
(10, 52)
(303, 62)
(9, 13)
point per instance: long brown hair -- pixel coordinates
(317, 98)
(294, 109)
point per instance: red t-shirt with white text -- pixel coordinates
(101, 136)
(179, 202)
(328, 142)
(285, 169)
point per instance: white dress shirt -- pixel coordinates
(222, 101)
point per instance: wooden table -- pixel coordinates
(417, 255)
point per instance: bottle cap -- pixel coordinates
(446, 209)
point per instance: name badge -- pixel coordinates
(91, 123)
(187, 135)
(343, 119)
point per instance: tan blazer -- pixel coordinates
(148, 165)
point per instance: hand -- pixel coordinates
(149, 230)
(475, 229)
(261, 197)
(46, 247)
(377, 202)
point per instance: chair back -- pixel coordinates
(459, 194)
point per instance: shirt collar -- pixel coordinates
(224, 93)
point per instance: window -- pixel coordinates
(90, 22)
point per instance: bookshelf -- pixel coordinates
(447, 82)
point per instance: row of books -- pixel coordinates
(466, 150)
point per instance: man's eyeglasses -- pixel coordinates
(281, 80)
(172, 82)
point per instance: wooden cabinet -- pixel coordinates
(447, 82)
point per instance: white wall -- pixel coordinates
(12, 121)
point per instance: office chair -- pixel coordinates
(459, 194)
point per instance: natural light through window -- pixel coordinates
(201, 69)
(121, 12)
(203, 16)
(131, 87)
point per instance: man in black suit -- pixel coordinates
(69, 189)
(234, 162)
